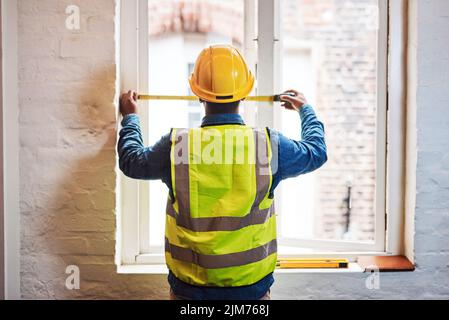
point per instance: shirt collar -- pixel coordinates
(221, 119)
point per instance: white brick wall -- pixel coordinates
(67, 138)
(67, 158)
(430, 280)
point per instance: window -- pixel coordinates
(330, 51)
(335, 52)
(174, 43)
(196, 111)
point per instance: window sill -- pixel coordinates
(385, 263)
(161, 269)
(142, 269)
(362, 264)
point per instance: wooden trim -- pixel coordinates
(385, 263)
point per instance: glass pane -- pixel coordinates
(330, 53)
(179, 30)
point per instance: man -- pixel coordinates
(220, 220)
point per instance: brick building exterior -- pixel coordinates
(344, 33)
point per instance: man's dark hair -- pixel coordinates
(217, 108)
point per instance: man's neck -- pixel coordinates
(214, 111)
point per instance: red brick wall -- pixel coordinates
(223, 17)
(346, 97)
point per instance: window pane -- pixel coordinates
(330, 53)
(179, 30)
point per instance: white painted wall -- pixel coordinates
(67, 90)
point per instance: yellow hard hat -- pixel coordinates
(221, 75)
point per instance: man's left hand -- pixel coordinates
(294, 102)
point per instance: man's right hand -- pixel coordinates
(128, 103)
(292, 103)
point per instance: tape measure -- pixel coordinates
(275, 98)
(312, 263)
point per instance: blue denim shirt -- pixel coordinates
(295, 157)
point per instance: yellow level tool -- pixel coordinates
(293, 263)
(195, 98)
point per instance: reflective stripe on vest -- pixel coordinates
(214, 240)
(224, 260)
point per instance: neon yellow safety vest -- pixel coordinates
(221, 225)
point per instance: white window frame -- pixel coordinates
(10, 127)
(132, 199)
(269, 80)
(133, 214)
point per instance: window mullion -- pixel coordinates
(268, 54)
(143, 86)
(250, 52)
(128, 208)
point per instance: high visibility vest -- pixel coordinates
(220, 221)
